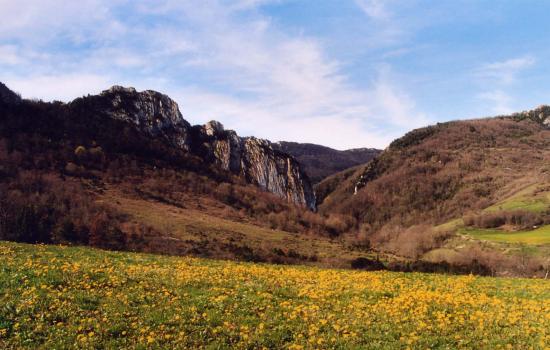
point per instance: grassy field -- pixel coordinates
(540, 235)
(535, 198)
(59, 297)
(189, 226)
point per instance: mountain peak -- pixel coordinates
(118, 89)
(152, 112)
(213, 127)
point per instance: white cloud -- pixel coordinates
(8, 55)
(58, 87)
(505, 72)
(501, 101)
(497, 78)
(254, 118)
(219, 60)
(375, 9)
(38, 21)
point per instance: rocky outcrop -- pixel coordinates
(257, 161)
(370, 172)
(541, 115)
(152, 112)
(7, 96)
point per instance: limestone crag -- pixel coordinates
(258, 162)
(540, 115)
(223, 147)
(276, 172)
(255, 160)
(155, 113)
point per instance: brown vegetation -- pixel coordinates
(435, 174)
(518, 219)
(319, 162)
(411, 242)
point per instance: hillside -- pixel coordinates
(123, 170)
(66, 167)
(441, 172)
(61, 297)
(485, 179)
(319, 162)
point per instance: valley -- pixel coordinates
(274, 175)
(459, 197)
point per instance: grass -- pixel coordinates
(535, 198)
(185, 225)
(450, 225)
(82, 298)
(537, 236)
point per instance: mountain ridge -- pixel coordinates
(159, 116)
(321, 162)
(443, 163)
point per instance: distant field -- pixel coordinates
(59, 297)
(540, 235)
(535, 198)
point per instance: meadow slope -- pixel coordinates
(66, 297)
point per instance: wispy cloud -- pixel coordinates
(9, 55)
(497, 78)
(219, 60)
(505, 72)
(63, 87)
(375, 9)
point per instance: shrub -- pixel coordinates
(521, 219)
(410, 242)
(367, 264)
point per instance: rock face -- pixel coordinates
(155, 113)
(257, 161)
(541, 115)
(7, 96)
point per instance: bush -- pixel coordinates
(367, 264)
(521, 219)
(410, 242)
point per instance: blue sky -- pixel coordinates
(342, 73)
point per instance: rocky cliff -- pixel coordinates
(152, 112)
(255, 160)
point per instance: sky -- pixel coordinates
(341, 73)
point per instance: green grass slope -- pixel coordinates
(83, 298)
(532, 198)
(536, 236)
